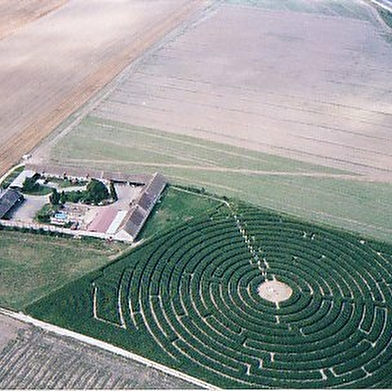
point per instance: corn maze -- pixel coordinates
(194, 292)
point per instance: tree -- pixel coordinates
(29, 184)
(113, 192)
(63, 198)
(54, 198)
(96, 191)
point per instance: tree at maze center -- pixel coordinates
(191, 300)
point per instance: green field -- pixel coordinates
(342, 8)
(316, 193)
(178, 205)
(188, 299)
(385, 15)
(33, 265)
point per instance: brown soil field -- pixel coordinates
(14, 15)
(54, 65)
(308, 86)
(31, 358)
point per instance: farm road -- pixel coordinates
(239, 170)
(386, 4)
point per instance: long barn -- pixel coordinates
(143, 205)
(8, 200)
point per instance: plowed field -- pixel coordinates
(12, 17)
(35, 359)
(52, 66)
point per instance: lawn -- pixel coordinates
(177, 205)
(33, 265)
(39, 190)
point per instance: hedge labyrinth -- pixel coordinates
(194, 291)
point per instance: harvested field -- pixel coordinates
(15, 15)
(304, 85)
(53, 66)
(9, 330)
(36, 359)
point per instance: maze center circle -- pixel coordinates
(274, 291)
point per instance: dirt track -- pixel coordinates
(55, 65)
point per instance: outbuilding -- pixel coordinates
(8, 200)
(20, 179)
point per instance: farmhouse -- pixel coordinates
(133, 197)
(8, 200)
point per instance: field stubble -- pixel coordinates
(270, 87)
(96, 45)
(14, 18)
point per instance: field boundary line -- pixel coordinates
(315, 174)
(105, 346)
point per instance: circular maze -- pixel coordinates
(195, 291)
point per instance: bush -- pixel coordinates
(30, 184)
(54, 197)
(113, 192)
(45, 213)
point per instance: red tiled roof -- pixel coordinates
(102, 221)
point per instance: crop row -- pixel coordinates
(194, 290)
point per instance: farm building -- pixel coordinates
(135, 197)
(106, 176)
(8, 200)
(126, 222)
(19, 180)
(143, 205)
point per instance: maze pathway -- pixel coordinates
(196, 292)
